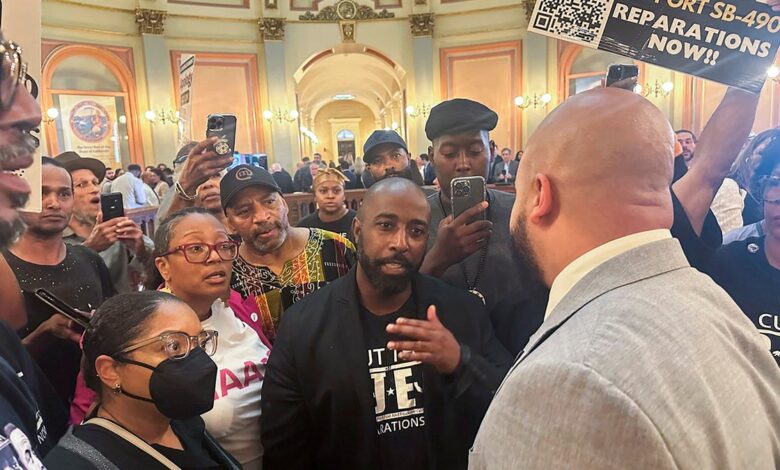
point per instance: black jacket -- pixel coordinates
(27, 401)
(285, 181)
(318, 410)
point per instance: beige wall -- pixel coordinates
(347, 109)
(231, 28)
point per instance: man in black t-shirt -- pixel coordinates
(749, 270)
(384, 368)
(76, 274)
(332, 213)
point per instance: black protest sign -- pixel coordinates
(732, 42)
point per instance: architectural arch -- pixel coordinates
(121, 72)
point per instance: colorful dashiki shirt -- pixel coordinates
(265, 296)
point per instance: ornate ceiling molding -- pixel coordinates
(346, 10)
(347, 28)
(271, 29)
(422, 24)
(150, 21)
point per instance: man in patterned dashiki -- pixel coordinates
(277, 264)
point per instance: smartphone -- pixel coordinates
(111, 206)
(61, 307)
(222, 126)
(620, 72)
(466, 193)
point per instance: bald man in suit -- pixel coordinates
(642, 361)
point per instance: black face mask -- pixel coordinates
(181, 388)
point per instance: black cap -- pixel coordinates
(244, 176)
(378, 138)
(73, 161)
(458, 116)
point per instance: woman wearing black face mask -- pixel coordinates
(147, 357)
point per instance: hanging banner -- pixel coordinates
(21, 23)
(186, 72)
(89, 126)
(731, 42)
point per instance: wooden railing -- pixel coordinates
(300, 204)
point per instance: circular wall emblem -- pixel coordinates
(90, 121)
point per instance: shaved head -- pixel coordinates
(598, 168)
(391, 188)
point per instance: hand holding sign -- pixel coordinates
(731, 42)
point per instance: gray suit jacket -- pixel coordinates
(645, 364)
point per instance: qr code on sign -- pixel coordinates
(580, 21)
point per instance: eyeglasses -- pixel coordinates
(769, 187)
(178, 345)
(12, 72)
(198, 253)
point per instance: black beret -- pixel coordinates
(457, 116)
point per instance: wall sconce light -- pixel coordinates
(773, 73)
(51, 115)
(163, 117)
(423, 111)
(533, 102)
(655, 90)
(280, 115)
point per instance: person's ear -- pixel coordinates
(543, 199)
(356, 228)
(108, 371)
(164, 267)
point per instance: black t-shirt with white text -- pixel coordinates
(398, 395)
(743, 271)
(343, 226)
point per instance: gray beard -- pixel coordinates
(85, 219)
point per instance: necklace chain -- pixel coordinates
(480, 265)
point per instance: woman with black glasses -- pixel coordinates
(194, 257)
(147, 356)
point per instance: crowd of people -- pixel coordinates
(592, 318)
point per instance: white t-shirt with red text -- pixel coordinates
(241, 358)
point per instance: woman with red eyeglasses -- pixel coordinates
(193, 257)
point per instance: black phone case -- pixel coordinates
(111, 206)
(226, 134)
(54, 302)
(466, 193)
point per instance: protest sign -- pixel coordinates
(732, 42)
(186, 72)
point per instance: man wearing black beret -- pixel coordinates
(386, 154)
(476, 256)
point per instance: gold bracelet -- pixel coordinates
(180, 192)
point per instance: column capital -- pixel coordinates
(150, 21)
(271, 29)
(422, 24)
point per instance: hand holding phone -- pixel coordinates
(76, 316)
(111, 206)
(201, 164)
